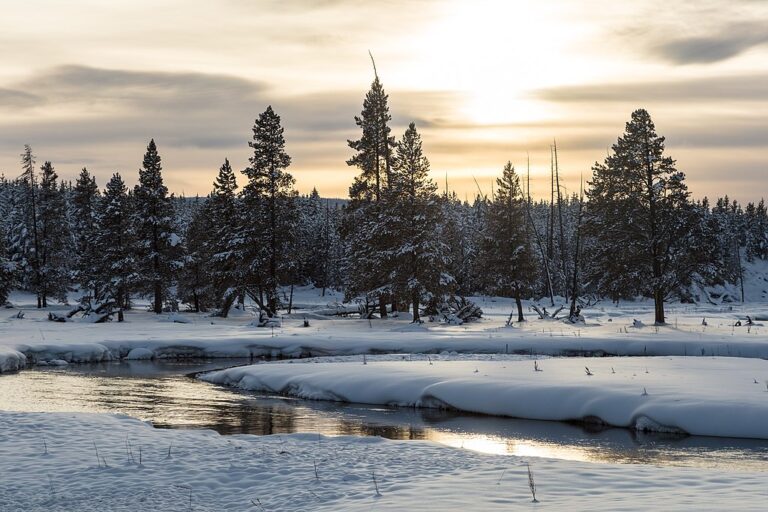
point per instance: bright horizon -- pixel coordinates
(87, 84)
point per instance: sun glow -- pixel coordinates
(496, 53)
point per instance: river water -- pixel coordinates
(164, 394)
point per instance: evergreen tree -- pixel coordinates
(52, 230)
(223, 246)
(155, 238)
(114, 242)
(319, 242)
(7, 267)
(459, 235)
(195, 283)
(85, 196)
(506, 255)
(269, 210)
(415, 254)
(24, 237)
(756, 231)
(374, 149)
(640, 217)
(362, 229)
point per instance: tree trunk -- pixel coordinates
(562, 230)
(519, 303)
(290, 301)
(158, 297)
(382, 306)
(658, 299)
(227, 305)
(415, 300)
(741, 271)
(575, 285)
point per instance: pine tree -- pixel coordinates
(506, 255)
(195, 283)
(155, 237)
(414, 253)
(114, 243)
(24, 237)
(52, 230)
(456, 234)
(85, 196)
(374, 149)
(756, 232)
(223, 246)
(362, 230)
(269, 210)
(639, 214)
(7, 267)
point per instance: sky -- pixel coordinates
(89, 83)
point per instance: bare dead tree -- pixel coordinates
(539, 243)
(563, 259)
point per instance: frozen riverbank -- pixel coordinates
(702, 396)
(613, 331)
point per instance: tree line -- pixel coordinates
(397, 243)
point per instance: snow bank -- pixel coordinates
(608, 331)
(705, 396)
(49, 462)
(11, 360)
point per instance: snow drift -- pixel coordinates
(704, 396)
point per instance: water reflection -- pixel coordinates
(161, 393)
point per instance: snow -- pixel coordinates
(49, 462)
(11, 360)
(140, 354)
(704, 396)
(607, 330)
(482, 367)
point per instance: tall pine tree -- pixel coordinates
(85, 196)
(640, 217)
(224, 246)
(114, 243)
(416, 257)
(52, 231)
(506, 256)
(269, 214)
(155, 237)
(362, 229)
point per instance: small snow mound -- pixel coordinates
(57, 362)
(432, 402)
(177, 318)
(140, 353)
(12, 360)
(637, 324)
(646, 424)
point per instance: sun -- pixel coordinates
(497, 54)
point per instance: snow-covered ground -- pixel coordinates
(718, 396)
(472, 368)
(608, 330)
(49, 462)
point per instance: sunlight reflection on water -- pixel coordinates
(161, 393)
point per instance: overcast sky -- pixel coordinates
(88, 83)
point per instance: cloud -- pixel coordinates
(730, 88)
(145, 89)
(731, 41)
(14, 99)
